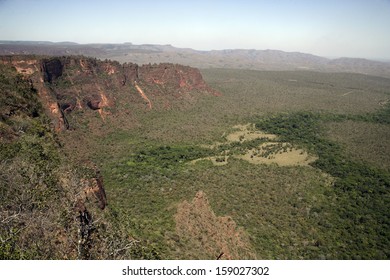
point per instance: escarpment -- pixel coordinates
(73, 88)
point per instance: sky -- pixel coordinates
(330, 28)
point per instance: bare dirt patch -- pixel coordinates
(206, 235)
(143, 95)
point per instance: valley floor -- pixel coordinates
(317, 192)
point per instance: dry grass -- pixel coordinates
(288, 157)
(247, 133)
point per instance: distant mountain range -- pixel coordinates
(235, 58)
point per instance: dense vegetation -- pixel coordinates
(342, 220)
(362, 191)
(336, 210)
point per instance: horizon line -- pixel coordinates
(72, 43)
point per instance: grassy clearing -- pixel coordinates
(242, 143)
(282, 154)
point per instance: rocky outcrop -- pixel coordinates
(25, 65)
(93, 190)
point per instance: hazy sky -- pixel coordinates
(334, 28)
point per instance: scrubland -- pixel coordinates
(333, 207)
(167, 200)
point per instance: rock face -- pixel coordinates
(73, 83)
(182, 79)
(51, 69)
(130, 73)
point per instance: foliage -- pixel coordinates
(364, 142)
(29, 160)
(362, 191)
(164, 157)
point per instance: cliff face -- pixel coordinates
(68, 84)
(182, 79)
(51, 69)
